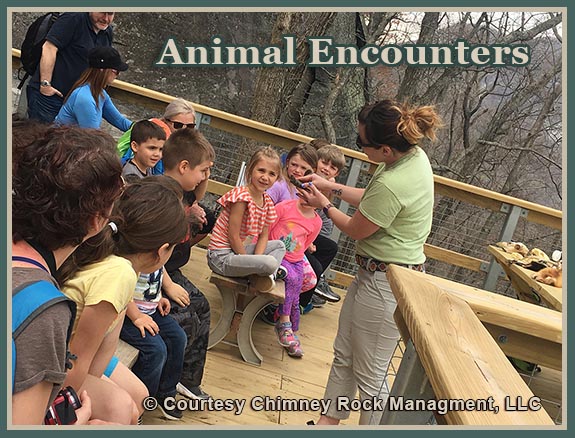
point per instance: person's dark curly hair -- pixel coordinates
(61, 181)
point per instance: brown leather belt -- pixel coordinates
(372, 265)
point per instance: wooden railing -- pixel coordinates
(460, 357)
(278, 137)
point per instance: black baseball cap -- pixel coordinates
(106, 57)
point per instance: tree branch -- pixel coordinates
(515, 148)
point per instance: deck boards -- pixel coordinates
(227, 376)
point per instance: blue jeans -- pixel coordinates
(161, 357)
(43, 108)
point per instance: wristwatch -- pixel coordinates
(45, 84)
(326, 208)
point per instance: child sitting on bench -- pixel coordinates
(247, 214)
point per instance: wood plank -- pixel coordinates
(503, 311)
(489, 199)
(528, 348)
(532, 333)
(461, 359)
(452, 257)
(126, 353)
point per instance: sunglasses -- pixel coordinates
(360, 144)
(180, 125)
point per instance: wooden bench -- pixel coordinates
(240, 307)
(460, 358)
(126, 353)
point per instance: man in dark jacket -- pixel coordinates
(64, 58)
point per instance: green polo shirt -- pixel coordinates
(399, 199)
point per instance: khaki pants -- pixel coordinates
(365, 341)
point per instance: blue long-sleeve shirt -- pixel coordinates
(81, 109)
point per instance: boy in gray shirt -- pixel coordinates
(147, 142)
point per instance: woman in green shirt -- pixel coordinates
(391, 224)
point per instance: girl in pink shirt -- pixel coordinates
(239, 245)
(297, 226)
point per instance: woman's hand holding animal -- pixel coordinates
(312, 196)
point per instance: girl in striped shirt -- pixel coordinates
(239, 245)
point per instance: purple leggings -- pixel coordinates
(293, 282)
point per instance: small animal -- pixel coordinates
(552, 276)
(514, 247)
(535, 260)
(539, 254)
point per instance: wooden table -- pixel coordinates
(527, 288)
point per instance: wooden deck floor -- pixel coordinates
(228, 377)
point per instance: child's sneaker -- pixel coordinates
(269, 314)
(281, 273)
(262, 283)
(308, 308)
(295, 350)
(173, 414)
(285, 334)
(194, 392)
(317, 301)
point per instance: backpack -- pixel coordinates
(31, 49)
(30, 301)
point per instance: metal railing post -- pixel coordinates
(202, 119)
(352, 178)
(494, 270)
(411, 383)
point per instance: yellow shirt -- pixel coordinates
(112, 279)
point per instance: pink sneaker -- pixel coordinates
(295, 350)
(285, 334)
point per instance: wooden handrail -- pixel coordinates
(460, 358)
(494, 201)
(287, 139)
(269, 134)
(522, 330)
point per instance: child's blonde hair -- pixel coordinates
(266, 152)
(331, 153)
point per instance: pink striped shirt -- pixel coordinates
(253, 222)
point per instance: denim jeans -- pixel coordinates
(161, 357)
(42, 108)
